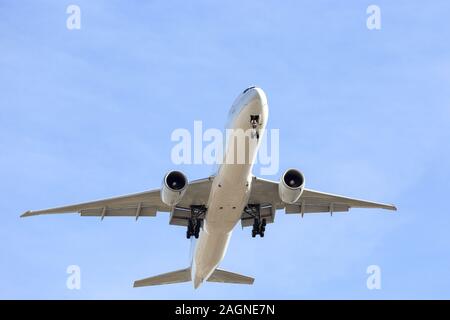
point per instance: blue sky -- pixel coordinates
(88, 114)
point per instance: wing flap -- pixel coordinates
(315, 208)
(134, 211)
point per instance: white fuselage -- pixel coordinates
(231, 187)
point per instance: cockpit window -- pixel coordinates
(252, 87)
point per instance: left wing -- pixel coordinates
(138, 204)
(311, 201)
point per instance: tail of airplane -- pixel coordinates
(229, 277)
(184, 275)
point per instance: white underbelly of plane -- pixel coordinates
(229, 195)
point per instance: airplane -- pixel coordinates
(210, 208)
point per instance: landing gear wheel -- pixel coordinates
(258, 228)
(254, 121)
(254, 134)
(259, 225)
(197, 229)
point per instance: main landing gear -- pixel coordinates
(195, 221)
(259, 225)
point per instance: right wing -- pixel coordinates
(138, 204)
(316, 201)
(265, 192)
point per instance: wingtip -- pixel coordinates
(26, 214)
(393, 208)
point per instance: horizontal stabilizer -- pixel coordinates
(229, 277)
(178, 276)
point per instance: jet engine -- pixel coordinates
(291, 186)
(174, 186)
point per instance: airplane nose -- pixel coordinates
(257, 95)
(248, 89)
(254, 93)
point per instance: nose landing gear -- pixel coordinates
(254, 122)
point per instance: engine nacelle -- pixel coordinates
(174, 186)
(291, 186)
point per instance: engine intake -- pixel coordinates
(291, 186)
(173, 187)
